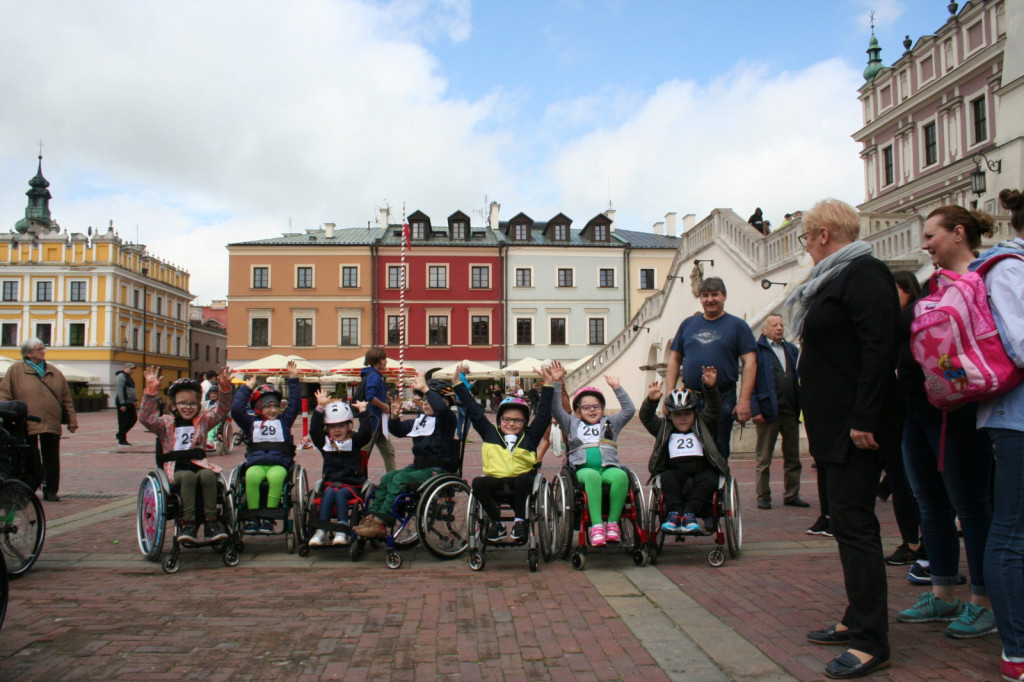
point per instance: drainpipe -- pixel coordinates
(503, 304)
(374, 300)
(627, 315)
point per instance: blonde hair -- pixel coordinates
(838, 216)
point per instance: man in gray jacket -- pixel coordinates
(124, 401)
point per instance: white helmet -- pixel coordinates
(337, 413)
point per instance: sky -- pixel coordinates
(195, 124)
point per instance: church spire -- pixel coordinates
(874, 54)
(37, 213)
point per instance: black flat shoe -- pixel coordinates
(50, 497)
(796, 502)
(846, 665)
(829, 636)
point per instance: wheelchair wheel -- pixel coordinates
(716, 557)
(408, 535)
(564, 515)
(733, 519)
(533, 560)
(299, 495)
(231, 556)
(477, 560)
(542, 521)
(393, 560)
(655, 517)
(226, 440)
(5, 587)
(171, 565)
(151, 517)
(22, 527)
(442, 518)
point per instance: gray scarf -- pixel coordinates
(800, 300)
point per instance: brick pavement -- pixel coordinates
(92, 608)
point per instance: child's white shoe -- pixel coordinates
(319, 538)
(340, 539)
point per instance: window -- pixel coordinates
(646, 278)
(418, 230)
(177, 348)
(349, 276)
(196, 356)
(887, 167)
(44, 291)
(304, 277)
(135, 339)
(76, 334)
(557, 331)
(394, 330)
(565, 277)
(303, 331)
(349, 332)
(480, 277)
(459, 230)
(159, 346)
(480, 330)
(137, 297)
(259, 334)
(524, 277)
(437, 276)
(44, 332)
(980, 118)
(77, 292)
(396, 277)
(596, 325)
(600, 233)
(561, 233)
(606, 277)
(261, 278)
(524, 331)
(10, 291)
(931, 145)
(159, 305)
(179, 312)
(522, 233)
(8, 334)
(437, 330)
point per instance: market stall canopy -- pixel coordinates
(477, 370)
(73, 374)
(277, 365)
(525, 368)
(353, 368)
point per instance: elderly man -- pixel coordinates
(124, 401)
(776, 409)
(720, 340)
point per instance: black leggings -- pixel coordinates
(485, 488)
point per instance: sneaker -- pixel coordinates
(188, 532)
(319, 538)
(612, 532)
(267, 526)
(974, 621)
(919, 574)
(902, 556)
(520, 531)
(597, 538)
(1014, 672)
(690, 524)
(496, 531)
(371, 527)
(340, 539)
(671, 524)
(214, 531)
(250, 526)
(820, 527)
(930, 609)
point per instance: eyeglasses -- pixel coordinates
(187, 404)
(512, 420)
(803, 239)
(595, 406)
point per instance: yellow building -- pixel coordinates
(95, 300)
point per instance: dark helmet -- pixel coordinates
(444, 388)
(184, 384)
(259, 396)
(682, 399)
(587, 390)
(514, 404)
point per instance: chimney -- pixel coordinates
(659, 229)
(385, 217)
(492, 215)
(689, 220)
(329, 230)
(611, 216)
(670, 224)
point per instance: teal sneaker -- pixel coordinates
(974, 621)
(929, 609)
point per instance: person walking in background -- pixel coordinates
(376, 397)
(846, 314)
(776, 410)
(124, 402)
(45, 391)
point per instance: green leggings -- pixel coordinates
(592, 476)
(275, 476)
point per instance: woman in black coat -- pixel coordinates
(847, 316)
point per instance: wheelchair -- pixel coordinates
(225, 437)
(4, 590)
(570, 515)
(539, 543)
(291, 513)
(724, 511)
(22, 522)
(159, 502)
(356, 508)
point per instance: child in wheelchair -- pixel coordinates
(685, 450)
(271, 450)
(331, 431)
(508, 452)
(184, 429)
(433, 452)
(593, 452)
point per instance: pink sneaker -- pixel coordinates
(1014, 672)
(611, 532)
(597, 535)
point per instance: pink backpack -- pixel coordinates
(954, 339)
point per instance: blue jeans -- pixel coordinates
(960, 490)
(461, 424)
(723, 434)
(335, 497)
(1004, 556)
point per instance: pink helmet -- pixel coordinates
(587, 390)
(514, 403)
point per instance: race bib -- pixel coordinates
(684, 445)
(589, 433)
(338, 446)
(510, 441)
(268, 431)
(424, 426)
(183, 437)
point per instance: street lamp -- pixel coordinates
(145, 291)
(978, 185)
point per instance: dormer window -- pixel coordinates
(600, 233)
(521, 233)
(561, 233)
(419, 230)
(459, 231)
